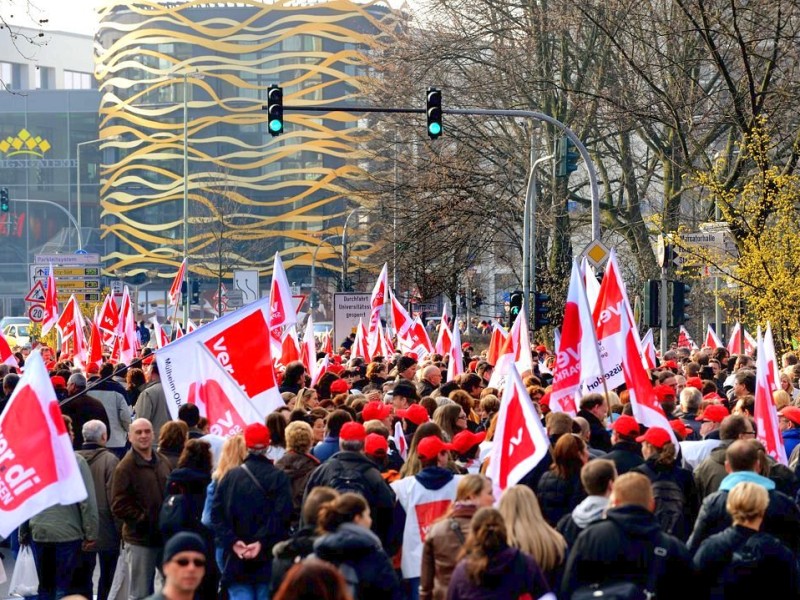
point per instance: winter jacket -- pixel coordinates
(361, 550)
(286, 553)
(377, 492)
(710, 473)
(681, 477)
(557, 496)
(298, 468)
(626, 456)
(620, 547)
(421, 501)
(599, 437)
(326, 448)
(102, 464)
(242, 511)
(590, 510)
(763, 563)
(440, 551)
(510, 574)
(81, 409)
(114, 401)
(152, 405)
(782, 518)
(71, 522)
(191, 485)
(137, 492)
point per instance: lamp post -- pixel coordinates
(314, 259)
(344, 247)
(188, 299)
(78, 154)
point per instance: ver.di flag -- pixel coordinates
(38, 468)
(765, 411)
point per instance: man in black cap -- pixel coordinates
(184, 567)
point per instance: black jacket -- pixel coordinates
(377, 492)
(684, 480)
(190, 485)
(557, 497)
(782, 519)
(298, 468)
(241, 511)
(626, 456)
(599, 438)
(286, 553)
(620, 547)
(82, 409)
(361, 549)
(763, 563)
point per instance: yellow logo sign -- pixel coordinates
(24, 143)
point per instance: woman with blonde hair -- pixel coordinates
(451, 418)
(528, 531)
(298, 463)
(447, 536)
(413, 465)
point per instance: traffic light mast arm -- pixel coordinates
(490, 112)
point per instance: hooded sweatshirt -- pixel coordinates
(589, 511)
(421, 501)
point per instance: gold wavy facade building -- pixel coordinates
(258, 193)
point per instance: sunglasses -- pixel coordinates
(184, 562)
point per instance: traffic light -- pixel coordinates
(514, 306)
(541, 308)
(650, 303)
(477, 299)
(5, 204)
(679, 296)
(195, 292)
(566, 157)
(313, 299)
(275, 110)
(433, 108)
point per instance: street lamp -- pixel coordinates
(344, 247)
(188, 298)
(78, 153)
(314, 259)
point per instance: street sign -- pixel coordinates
(247, 283)
(67, 259)
(78, 284)
(235, 299)
(37, 293)
(117, 287)
(597, 253)
(348, 308)
(36, 313)
(81, 297)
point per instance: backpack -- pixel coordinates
(626, 590)
(348, 479)
(742, 571)
(176, 514)
(670, 503)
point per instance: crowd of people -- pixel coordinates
(372, 484)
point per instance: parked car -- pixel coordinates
(17, 334)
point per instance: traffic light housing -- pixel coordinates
(650, 303)
(514, 306)
(679, 303)
(195, 292)
(313, 299)
(5, 203)
(541, 310)
(566, 157)
(275, 110)
(433, 110)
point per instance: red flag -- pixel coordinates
(320, 370)
(327, 344)
(308, 350)
(455, 366)
(773, 372)
(496, 344)
(281, 309)
(649, 351)
(380, 293)
(174, 293)
(290, 351)
(445, 338)
(178, 331)
(712, 339)
(685, 340)
(6, 356)
(577, 351)
(735, 341)
(360, 346)
(400, 317)
(95, 346)
(67, 319)
(520, 441)
(50, 303)
(416, 340)
(37, 463)
(765, 412)
(129, 342)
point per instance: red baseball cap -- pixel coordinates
(715, 413)
(339, 386)
(655, 436)
(352, 432)
(466, 345)
(671, 364)
(431, 446)
(375, 410)
(680, 428)
(626, 425)
(541, 348)
(58, 381)
(256, 436)
(792, 413)
(375, 443)
(663, 392)
(415, 413)
(464, 440)
(695, 382)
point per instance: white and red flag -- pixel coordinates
(591, 285)
(281, 306)
(162, 339)
(496, 344)
(319, 370)
(712, 339)
(455, 365)
(95, 356)
(178, 330)
(445, 338)
(380, 293)
(174, 293)
(239, 343)
(360, 346)
(400, 317)
(765, 411)
(290, 347)
(646, 408)
(327, 343)
(520, 441)
(400, 439)
(649, 351)
(740, 336)
(108, 319)
(773, 372)
(416, 340)
(38, 468)
(50, 313)
(128, 341)
(517, 351)
(6, 356)
(308, 350)
(685, 340)
(576, 357)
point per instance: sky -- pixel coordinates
(76, 16)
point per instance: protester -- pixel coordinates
(171, 441)
(298, 463)
(113, 398)
(184, 565)
(81, 407)
(559, 490)
(597, 478)
(330, 444)
(447, 536)
(594, 408)
(152, 402)
(709, 474)
(313, 579)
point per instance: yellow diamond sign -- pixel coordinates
(596, 253)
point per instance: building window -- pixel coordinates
(75, 80)
(11, 75)
(45, 78)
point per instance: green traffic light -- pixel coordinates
(435, 128)
(275, 125)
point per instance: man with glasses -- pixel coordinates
(709, 474)
(184, 567)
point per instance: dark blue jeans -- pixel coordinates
(82, 577)
(55, 563)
